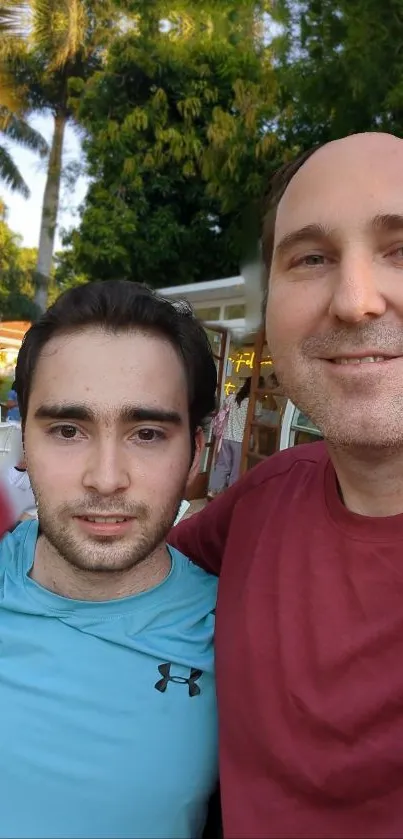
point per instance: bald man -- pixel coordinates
(310, 544)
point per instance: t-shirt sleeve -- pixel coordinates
(202, 537)
(11, 396)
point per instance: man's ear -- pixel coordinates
(199, 444)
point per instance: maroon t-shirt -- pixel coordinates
(309, 641)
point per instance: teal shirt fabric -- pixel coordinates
(107, 726)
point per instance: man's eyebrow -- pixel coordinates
(65, 412)
(296, 237)
(382, 221)
(128, 414)
(138, 413)
(387, 221)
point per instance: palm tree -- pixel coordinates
(44, 44)
(14, 127)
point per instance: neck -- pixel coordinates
(51, 571)
(371, 483)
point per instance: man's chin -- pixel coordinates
(100, 555)
(109, 553)
(103, 562)
(362, 435)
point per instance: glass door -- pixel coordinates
(297, 428)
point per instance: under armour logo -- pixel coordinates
(165, 670)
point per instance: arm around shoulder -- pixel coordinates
(202, 537)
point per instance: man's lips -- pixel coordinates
(112, 525)
(367, 357)
(110, 519)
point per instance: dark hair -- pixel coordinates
(244, 391)
(277, 187)
(273, 380)
(119, 305)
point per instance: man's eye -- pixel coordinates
(66, 432)
(149, 435)
(313, 259)
(398, 252)
(309, 260)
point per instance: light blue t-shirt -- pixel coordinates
(107, 710)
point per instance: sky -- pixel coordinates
(24, 215)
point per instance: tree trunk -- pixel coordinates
(50, 208)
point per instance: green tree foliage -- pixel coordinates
(17, 265)
(180, 139)
(43, 45)
(341, 68)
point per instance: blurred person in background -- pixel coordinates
(229, 429)
(13, 411)
(20, 491)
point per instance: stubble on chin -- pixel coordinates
(102, 554)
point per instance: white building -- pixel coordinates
(217, 302)
(222, 303)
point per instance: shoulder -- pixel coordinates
(291, 472)
(17, 548)
(194, 580)
(295, 465)
(297, 460)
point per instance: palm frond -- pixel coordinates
(9, 96)
(14, 15)
(19, 130)
(13, 90)
(59, 28)
(10, 174)
(14, 28)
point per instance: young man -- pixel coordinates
(107, 695)
(309, 545)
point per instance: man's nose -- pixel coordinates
(106, 471)
(357, 293)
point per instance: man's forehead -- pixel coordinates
(106, 368)
(348, 179)
(134, 350)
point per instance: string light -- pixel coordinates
(242, 359)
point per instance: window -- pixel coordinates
(208, 313)
(235, 311)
